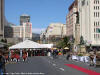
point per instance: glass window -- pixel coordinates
(98, 14)
(94, 14)
(94, 7)
(94, 1)
(98, 1)
(94, 23)
(94, 30)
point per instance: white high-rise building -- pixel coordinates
(89, 19)
(23, 31)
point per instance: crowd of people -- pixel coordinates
(15, 55)
(89, 58)
(18, 55)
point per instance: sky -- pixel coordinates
(42, 12)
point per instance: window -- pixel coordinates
(94, 14)
(94, 1)
(98, 1)
(94, 23)
(94, 7)
(98, 14)
(94, 30)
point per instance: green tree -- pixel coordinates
(63, 42)
(2, 40)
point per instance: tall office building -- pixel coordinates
(24, 19)
(89, 17)
(2, 18)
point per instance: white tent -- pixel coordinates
(47, 45)
(26, 44)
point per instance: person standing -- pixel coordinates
(24, 56)
(68, 56)
(2, 64)
(91, 59)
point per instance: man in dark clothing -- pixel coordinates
(91, 60)
(68, 56)
(2, 62)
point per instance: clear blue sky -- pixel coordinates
(42, 12)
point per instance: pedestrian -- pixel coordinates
(25, 56)
(12, 57)
(17, 57)
(6, 57)
(68, 56)
(64, 52)
(2, 64)
(91, 59)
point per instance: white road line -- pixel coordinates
(62, 69)
(54, 64)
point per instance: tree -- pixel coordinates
(63, 43)
(2, 40)
(5, 40)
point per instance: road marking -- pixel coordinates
(54, 64)
(61, 69)
(87, 71)
(22, 73)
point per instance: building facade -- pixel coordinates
(23, 31)
(71, 19)
(56, 29)
(24, 18)
(27, 30)
(54, 32)
(89, 17)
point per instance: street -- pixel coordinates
(45, 66)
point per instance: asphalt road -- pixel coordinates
(42, 66)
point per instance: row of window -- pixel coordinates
(96, 14)
(96, 36)
(96, 23)
(96, 1)
(96, 30)
(96, 7)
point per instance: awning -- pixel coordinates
(66, 48)
(28, 44)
